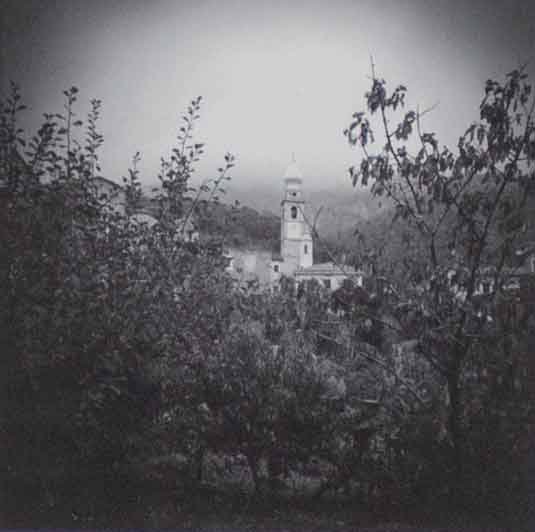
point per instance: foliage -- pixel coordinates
(466, 209)
(131, 343)
(91, 299)
(130, 356)
(241, 226)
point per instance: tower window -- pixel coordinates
(275, 267)
(294, 194)
(293, 212)
(306, 249)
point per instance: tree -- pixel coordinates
(466, 206)
(93, 301)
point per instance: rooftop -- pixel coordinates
(101, 179)
(328, 268)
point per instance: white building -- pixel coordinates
(295, 259)
(249, 265)
(329, 274)
(296, 248)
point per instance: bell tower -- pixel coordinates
(296, 240)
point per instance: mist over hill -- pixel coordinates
(266, 196)
(337, 211)
(338, 208)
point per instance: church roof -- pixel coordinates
(327, 268)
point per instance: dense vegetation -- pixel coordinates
(242, 227)
(133, 366)
(234, 225)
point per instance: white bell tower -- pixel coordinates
(296, 239)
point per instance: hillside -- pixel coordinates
(266, 196)
(254, 221)
(336, 211)
(241, 226)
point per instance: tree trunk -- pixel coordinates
(454, 427)
(252, 461)
(199, 462)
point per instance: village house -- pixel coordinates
(110, 192)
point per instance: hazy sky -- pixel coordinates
(277, 76)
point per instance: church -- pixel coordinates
(295, 258)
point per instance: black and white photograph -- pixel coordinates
(267, 265)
